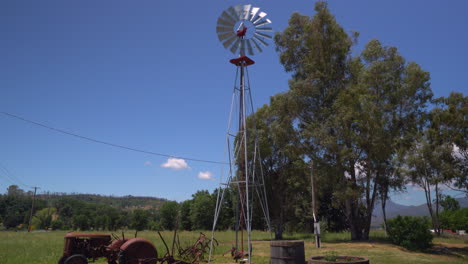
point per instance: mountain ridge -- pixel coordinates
(393, 209)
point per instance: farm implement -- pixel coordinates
(83, 247)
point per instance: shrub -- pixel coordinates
(455, 220)
(57, 225)
(410, 232)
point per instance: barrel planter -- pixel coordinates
(287, 252)
(339, 260)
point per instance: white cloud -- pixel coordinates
(205, 175)
(176, 164)
(148, 163)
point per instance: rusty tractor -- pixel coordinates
(83, 247)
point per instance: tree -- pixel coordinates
(15, 208)
(354, 115)
(169, 215)
(316, 51)
(450, 119)
(281, 162)
(449, 203)
(185, 222)
(14, 190)
(43, 218)
(139, 219)
(81, 222)
(429, 165)
(202, 210)
(226, 215)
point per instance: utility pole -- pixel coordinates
(314, 206)
(32, 209)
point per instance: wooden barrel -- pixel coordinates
(287, 252)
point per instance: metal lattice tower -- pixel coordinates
(243, 29)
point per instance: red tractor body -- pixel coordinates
(81, 247)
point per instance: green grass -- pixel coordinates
(47, 247)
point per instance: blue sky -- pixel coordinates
(152, 75)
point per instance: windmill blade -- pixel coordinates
(264, 29)
(225, 15)
(225, 22)
(256, 45)
(225, 36)
(233, 13)
(223, 29)
(235, 47)
(246, 12)
(260, 16)
(249, 47)
(261, 40)
(238, 9)
(229, 41)
(240, 26)
(264, 35)
(253, 13)
(261, 23)
(259, 32)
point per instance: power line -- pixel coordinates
(13, 179)
(104, 142)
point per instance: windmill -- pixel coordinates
(243, 30)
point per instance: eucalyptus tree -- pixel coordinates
(384, 105)
(450, 119)
(429, 166)
(354, 115)
(282, 162)
(316, 51)
(439, 155)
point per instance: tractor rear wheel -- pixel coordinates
(138, 251)
(76, 259)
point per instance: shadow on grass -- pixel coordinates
(461, 252)
(330, 238)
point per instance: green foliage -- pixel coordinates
(282, 164)
(350, 112)
(169, 215)
(202, 210)
(331, 256)
(81, 222)
(57, 225)
(449, 203)
(185, 222)
(410, 232)
(448, 125)
(139, 219)
(43, 218)
(15, 207)
(455, 219)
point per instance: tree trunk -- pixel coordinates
(279, 227)
(353, 220)
(352, 209)
(384, 202)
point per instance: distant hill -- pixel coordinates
(121, 202)
(393, 210)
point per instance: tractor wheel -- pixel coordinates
(62, 260)
(76, 259)
(138, 251)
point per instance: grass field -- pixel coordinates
(47, 247)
